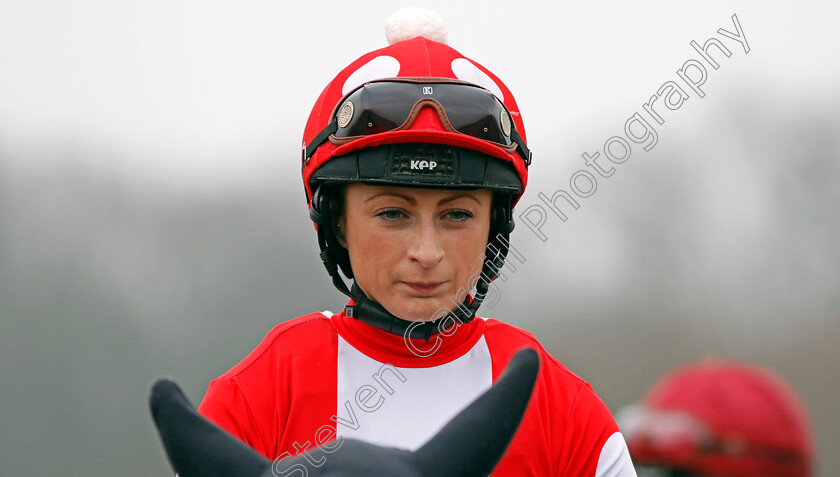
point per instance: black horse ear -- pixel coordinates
(195, 447)
(473, 442)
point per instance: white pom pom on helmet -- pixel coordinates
(411, 22)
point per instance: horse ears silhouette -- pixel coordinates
(471, 444)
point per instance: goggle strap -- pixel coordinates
(520, 146)
(322, 136)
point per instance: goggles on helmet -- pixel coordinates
(676, 438)
(393, 104)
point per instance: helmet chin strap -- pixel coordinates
(374, 314)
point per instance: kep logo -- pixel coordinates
(423, 165)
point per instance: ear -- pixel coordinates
(339, 226)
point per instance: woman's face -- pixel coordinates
(413, 249)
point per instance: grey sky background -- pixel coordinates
(153, 220)
(196, 90)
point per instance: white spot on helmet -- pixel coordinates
(465, 70)
(379, 67)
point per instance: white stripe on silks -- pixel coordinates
(404, 407)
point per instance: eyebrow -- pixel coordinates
(458, 195)
(411, 200)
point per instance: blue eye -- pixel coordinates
(459, 215)
(391, 214)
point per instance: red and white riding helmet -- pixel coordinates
(721, 418)
(424, 64)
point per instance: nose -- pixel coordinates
(426, 246)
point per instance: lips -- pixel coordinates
(424, 288)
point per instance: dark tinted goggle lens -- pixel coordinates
(383, 106)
